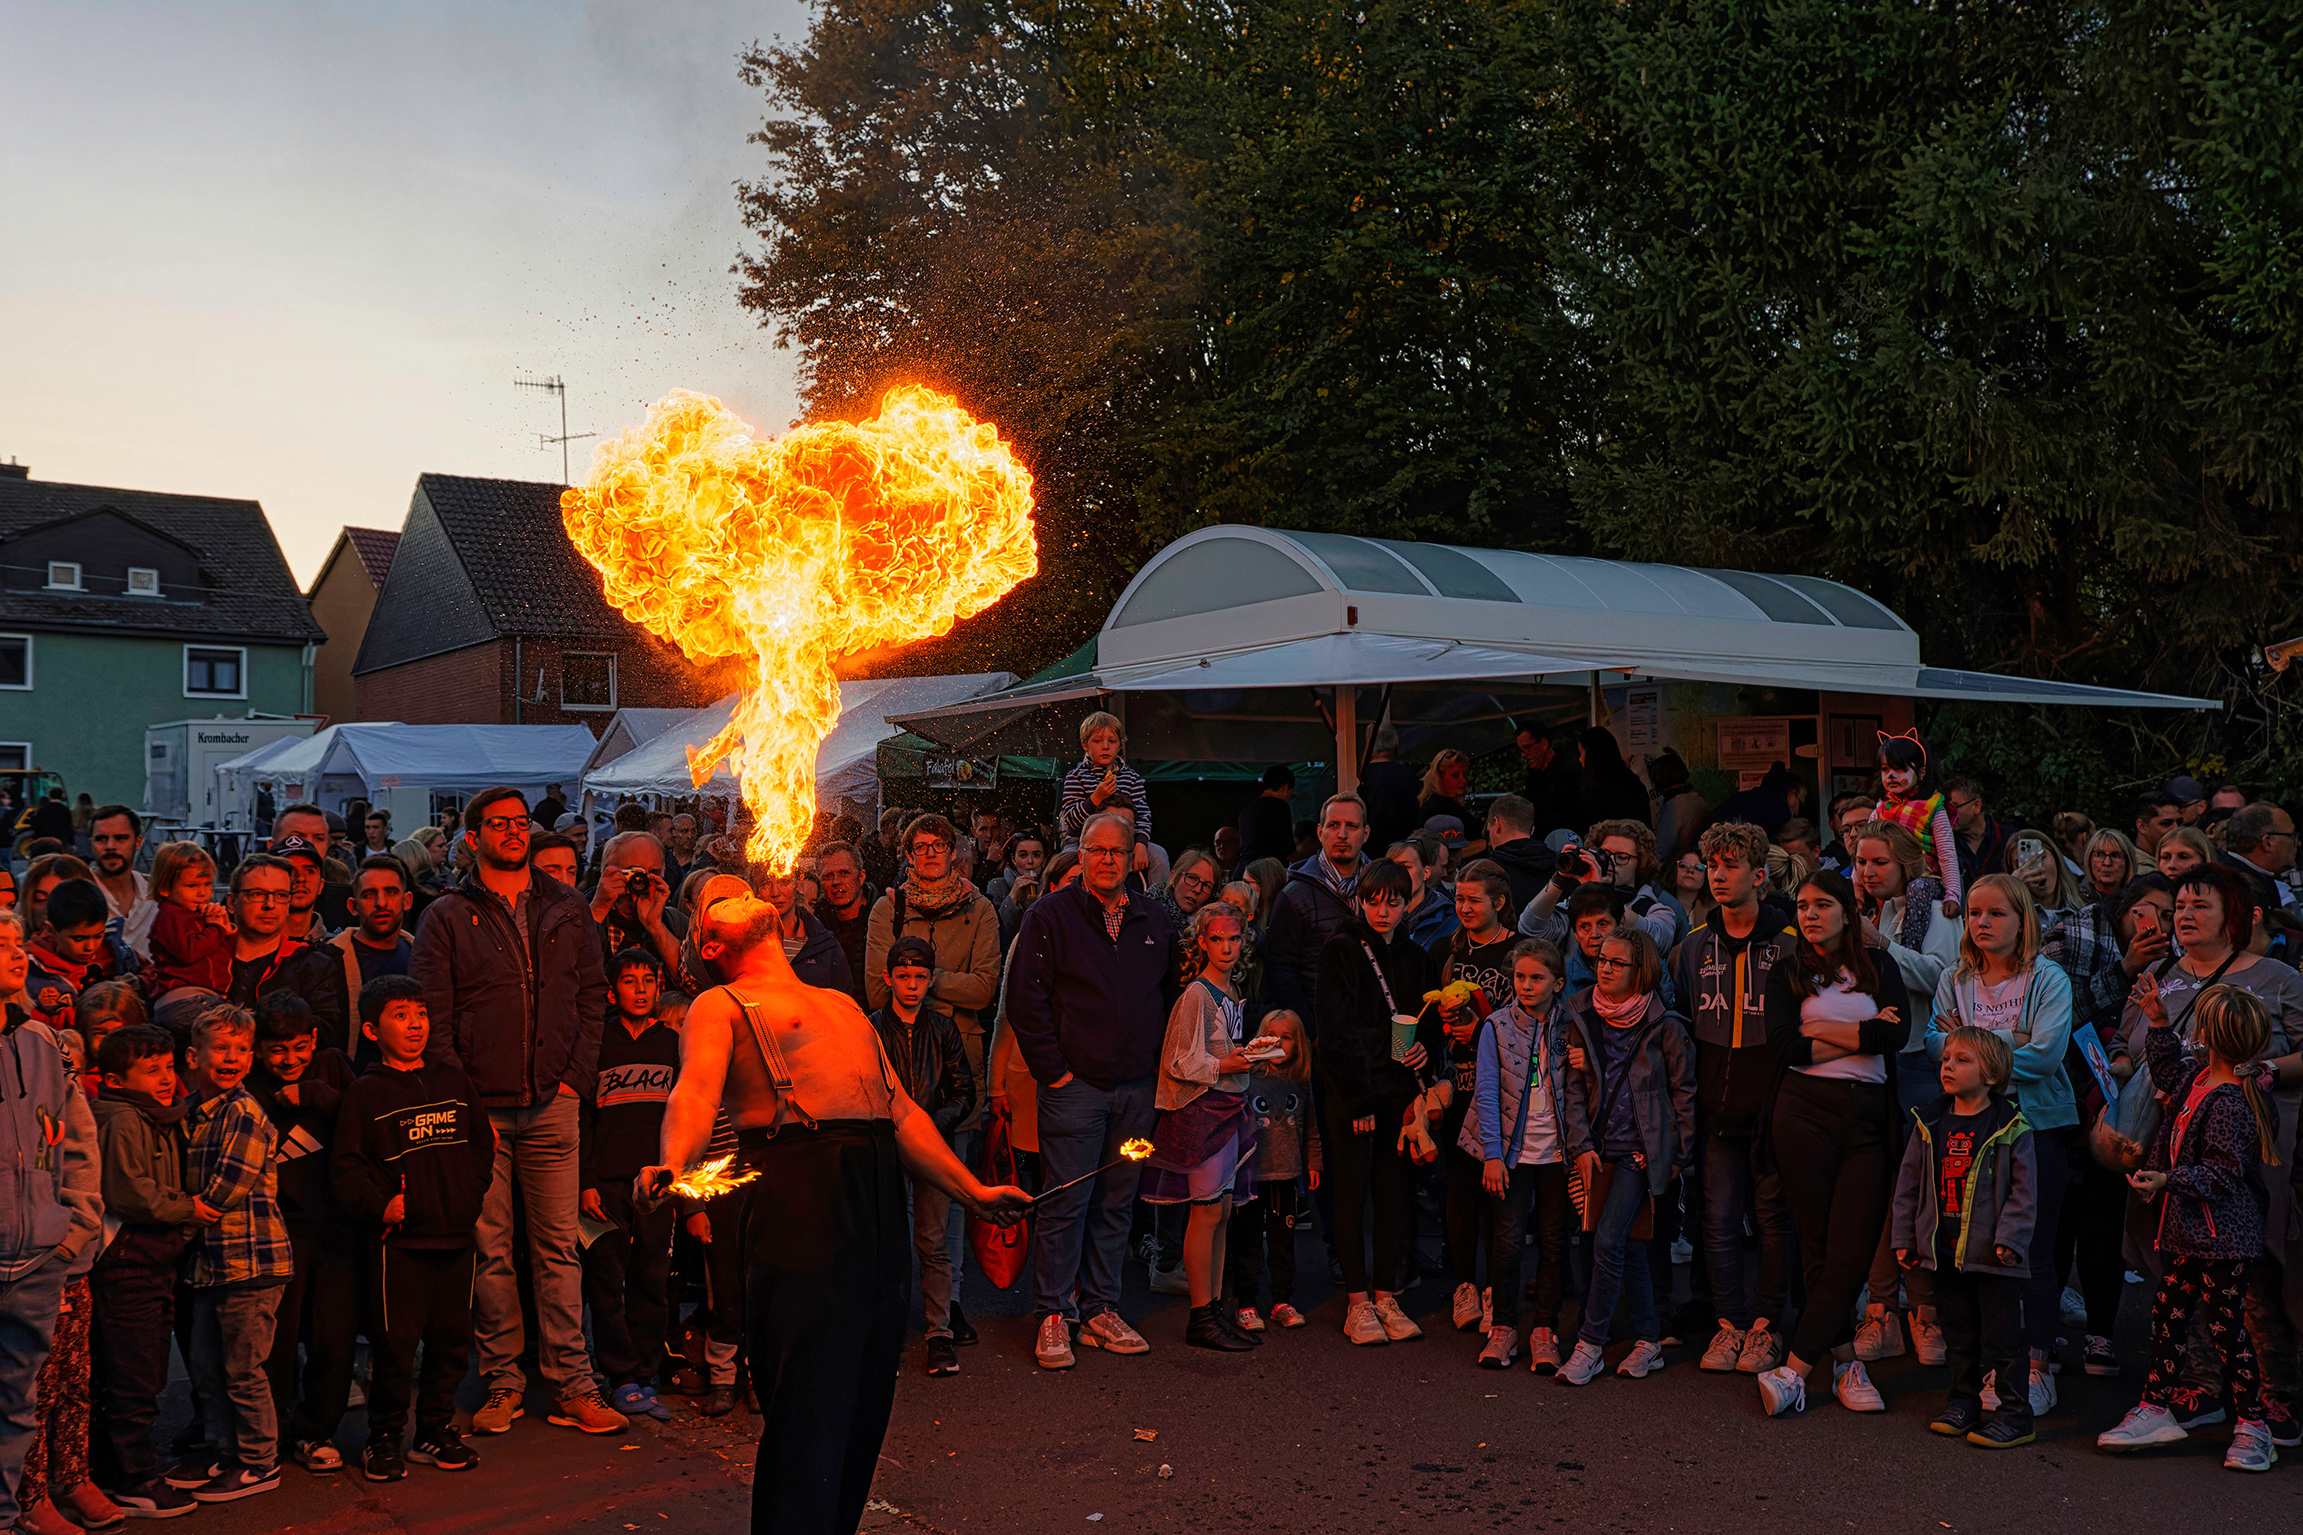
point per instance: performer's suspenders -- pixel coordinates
(779, 1074)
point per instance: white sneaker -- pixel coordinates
(1053, 1348)
(1502, 1348)
(1397, 1324)
(1361, 1324)
(2074, 1308)
(1880, 1337)
(1645, 1358)
(2250, 1448)
(1989, 1395)
(1170, 1281)
(1543, 1351)
(1584, 1365)
(1762, 1350)
(1106, 1331)
(1851, 1383)
(1726, 1348)
(2042, 1390)
(1465, 1310)
(1927, 1340)
(1780, 1391)
(2144, 1426)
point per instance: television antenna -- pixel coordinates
(555, 385)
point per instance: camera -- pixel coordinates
(636, 883)
(1573, 862)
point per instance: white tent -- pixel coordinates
(847, 763)
(236, 780)
(401, 766)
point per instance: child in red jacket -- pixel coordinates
(191, 933)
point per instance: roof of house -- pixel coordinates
(480, 560)
(374, 546)
(245, 589)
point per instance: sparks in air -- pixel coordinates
(839, 540)
(709, 1180)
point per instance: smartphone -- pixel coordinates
(2030, 850)
(2146, 918)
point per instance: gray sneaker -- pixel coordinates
(1106, 1331)
(1880, 1337)
(1726, 1348)
(1584, 1365)
(1502, 1348)
(1362, 1326)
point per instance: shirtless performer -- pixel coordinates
(827, 1246)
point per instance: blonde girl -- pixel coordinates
(1287, 1147)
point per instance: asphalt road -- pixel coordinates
(1311, 1434)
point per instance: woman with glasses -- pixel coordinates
(1837, 1014)
(1691, 883)
(2107, 863)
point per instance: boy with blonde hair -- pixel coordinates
(1101, 776)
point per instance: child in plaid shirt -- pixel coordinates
(241, 1261)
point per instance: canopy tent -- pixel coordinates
(403, 765)
(1233, 624)
(846, 762)
(236, 781)
(628, 730)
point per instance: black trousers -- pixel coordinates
(1365, 1167)
(1831, 1142)
(625, 1273)
(1466, 1200)
(1261, 1240)
(827, 1299)
(1982, 1320)
(423, 1295)
(320, 1308)
(2087, 1239)
(1543, 1189)
(135, 1320)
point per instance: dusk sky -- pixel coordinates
(299, 252)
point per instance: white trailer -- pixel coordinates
(180, 759)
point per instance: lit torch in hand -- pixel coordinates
(837, 541)
(1130, 1151)
(706, 1180)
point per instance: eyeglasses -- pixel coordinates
(265, 897)
(1103, 852)
(1195, 881)
(928, 845)
(1963, 804)
(503, 823)
(1605, 963)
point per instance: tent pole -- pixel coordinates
(1346, 739)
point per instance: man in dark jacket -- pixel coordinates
(1512, 846)
(1313, 907)
(846, 907)
(509, 960)
(1720, 972)
(924, 1046)
(1554, 791)
(815, 955)
(1089, 987)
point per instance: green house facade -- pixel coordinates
(121, 609)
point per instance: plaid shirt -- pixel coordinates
(231, 1169)
(2084, 945)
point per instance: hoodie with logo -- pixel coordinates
(421, 1134)
(51, 1196)
(307, 1131)
(1722, 982)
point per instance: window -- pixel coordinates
(16, 662)
(63, 576)
(143, 582)
(587, 680)
(15, 756)
(215, 673)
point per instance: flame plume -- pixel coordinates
(841, 539)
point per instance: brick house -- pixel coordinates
(342, 596)
(490, 616)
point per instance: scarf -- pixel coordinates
(150, 1107)
(1618, 1010)
(938, 895)
(1914, 816)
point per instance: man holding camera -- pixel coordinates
(632, 901)
(1618, 853)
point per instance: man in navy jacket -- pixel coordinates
(1089, 987)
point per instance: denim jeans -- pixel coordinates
(931, 1228)
(232, 1329)
(1082, 1232)
(1618, 1263)
(28, 1305)
(535, 1160)
(1744, 1286)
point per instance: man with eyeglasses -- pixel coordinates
(1622, 854)
(267, 957)
(2259, 847)
(509, 959)
(1849, 814)
(1089, 989)
(1980, 841)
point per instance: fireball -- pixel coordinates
(838, 541)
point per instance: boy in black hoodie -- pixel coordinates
(301, 1088)
(414, 1157)
(1721, 971)
(619, 1126)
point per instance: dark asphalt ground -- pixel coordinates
(1311, 1434)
